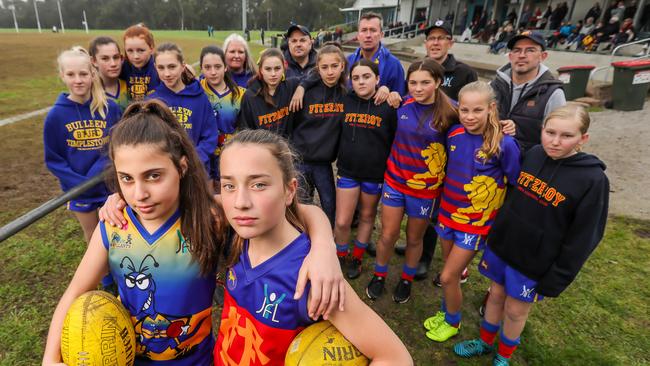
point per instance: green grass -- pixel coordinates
(600, 320)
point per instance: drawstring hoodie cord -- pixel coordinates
(550, 179)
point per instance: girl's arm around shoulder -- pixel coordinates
(583, 235)
(209, 134)
(510, 159)
(321, 266)
(91, 269)
(369, 333)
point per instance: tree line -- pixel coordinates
(174, 14)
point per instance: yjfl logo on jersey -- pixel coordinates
(182, 115)
(87, 134)
(270, 304)
(539, 190)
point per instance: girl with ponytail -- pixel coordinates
(75, 132)
(481, 160)
(184, 96)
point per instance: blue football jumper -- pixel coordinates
(161, 287)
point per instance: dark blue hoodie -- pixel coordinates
(193, 110)
(75, 143)
(140, 82)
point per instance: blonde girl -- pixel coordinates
(481, 160)
(76, 131)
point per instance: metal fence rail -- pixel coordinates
(32, 216)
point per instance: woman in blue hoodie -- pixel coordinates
(186, 99)
(75, 132)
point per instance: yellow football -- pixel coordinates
(97, 331)
(321, 344)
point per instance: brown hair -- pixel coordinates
(493, 135)
(186, 77)
(99, 102)
(264, 90)
(93, 47)
(571, 112)
(372, 15)
(286, 159)
(444, 113)
(202, 221)
(334, 48)
(139, 31)
(227, 77)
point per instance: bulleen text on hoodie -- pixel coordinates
(194, 112)
(75, 143)
(140, 82)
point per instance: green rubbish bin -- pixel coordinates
(631, 83)
(274, 41)
(575, 79)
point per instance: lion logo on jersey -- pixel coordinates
(485, 197)
(435, 158)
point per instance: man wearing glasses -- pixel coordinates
(300, 54)
(526, 90)
(438, 42)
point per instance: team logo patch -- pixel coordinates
(231, 280)
(439, 22)
(270, 304)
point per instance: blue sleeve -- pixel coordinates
(397, 80)
(209, 135)
(54, 147)
(113, 115)
(510, 159)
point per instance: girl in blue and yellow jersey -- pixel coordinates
(186, 99)
(266, 101)
(414, 174)
(481, 160)
(259, 317)
(107, 59)
(239, 61)
(224, 95)
(75, 132)
(164, 282)
(138, 69)
(367, 133)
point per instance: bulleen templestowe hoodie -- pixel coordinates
(193, 110)
(75, 143)
(367, 135)
(553, 219)
(316, 128)
(140, 82)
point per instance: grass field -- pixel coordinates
(602, 319)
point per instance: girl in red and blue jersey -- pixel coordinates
(185, 97)
(138, 69)
(481, 160)
(224, 95)
(414, 175)
(75, 133)
(107, 59)
(260, 318)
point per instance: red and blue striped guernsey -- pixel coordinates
(260, 318)
(416, 165)
(474, 188)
